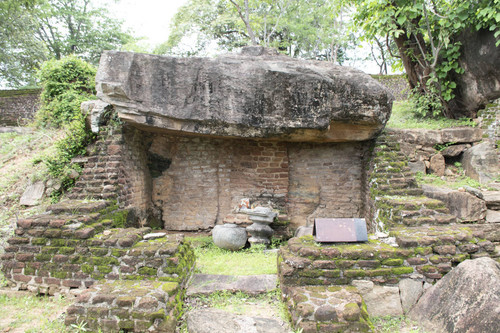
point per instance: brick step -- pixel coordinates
(431, 251)
(387, 174)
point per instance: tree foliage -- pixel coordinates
(32, 31)
(425, 33)
(313, 29)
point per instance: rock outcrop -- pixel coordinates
(256, 94)
(465, 300)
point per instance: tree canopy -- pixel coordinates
(425, 33)
(312, 29)
(32, 31)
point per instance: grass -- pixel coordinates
(33, 314)
(403, 117)
(213, 260)
(395, 324)
(20, 155)
(453, 183)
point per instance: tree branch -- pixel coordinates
(246, 20)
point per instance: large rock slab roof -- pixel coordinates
(255, 94)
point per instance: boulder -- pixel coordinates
(480, 82)
(229, 236)
(481, 162)
(438, 165)
(256, 94)
(465, 300)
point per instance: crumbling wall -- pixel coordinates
(18, 106)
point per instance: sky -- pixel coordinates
(147, 18)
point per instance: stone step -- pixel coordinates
(217, 320)
(416, 191)
(205, 284)
(412, 203)
(78, 206)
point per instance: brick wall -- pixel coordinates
(192, 183)
(17, 106)
(208, 177)
(326, 180)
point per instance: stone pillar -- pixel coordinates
(260, 231)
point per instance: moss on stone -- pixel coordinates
(147, 271)
(50, 249)
(104, 269)
(43, 257)
(170, 287)
(66, 250)
(57, 242)
(379, 272)
(39, 241)
(59, 274)
(87, 269)
(402, 270)
(355, 273)
(423, 250)
(392, 262)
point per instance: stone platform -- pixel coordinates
(131, 306)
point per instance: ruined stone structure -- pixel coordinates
(202, 134)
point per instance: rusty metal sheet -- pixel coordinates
(333, 230)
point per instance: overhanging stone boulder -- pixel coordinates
(256, 94)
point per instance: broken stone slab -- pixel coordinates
(410, 291)
(481, 162)
(464, 300)
(454, 150)
(97, 114)
(154, 235)
(463, 205)
(492, 199)
(255, 94)
(492, 216)
(380, 300)
(205, 284)
(417, 167)
(216, 320)
(33, 194)
(430, 138)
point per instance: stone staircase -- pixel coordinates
(416, 242)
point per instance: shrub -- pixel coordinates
(66, 83)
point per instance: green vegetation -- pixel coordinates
(66, 84)
(450, 182)
(213, 260)
(20, 156)
(39, 30)
(395, 324)
(426, 39)
(404, 116)
(33, 314)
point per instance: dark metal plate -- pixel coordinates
(331, 230)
